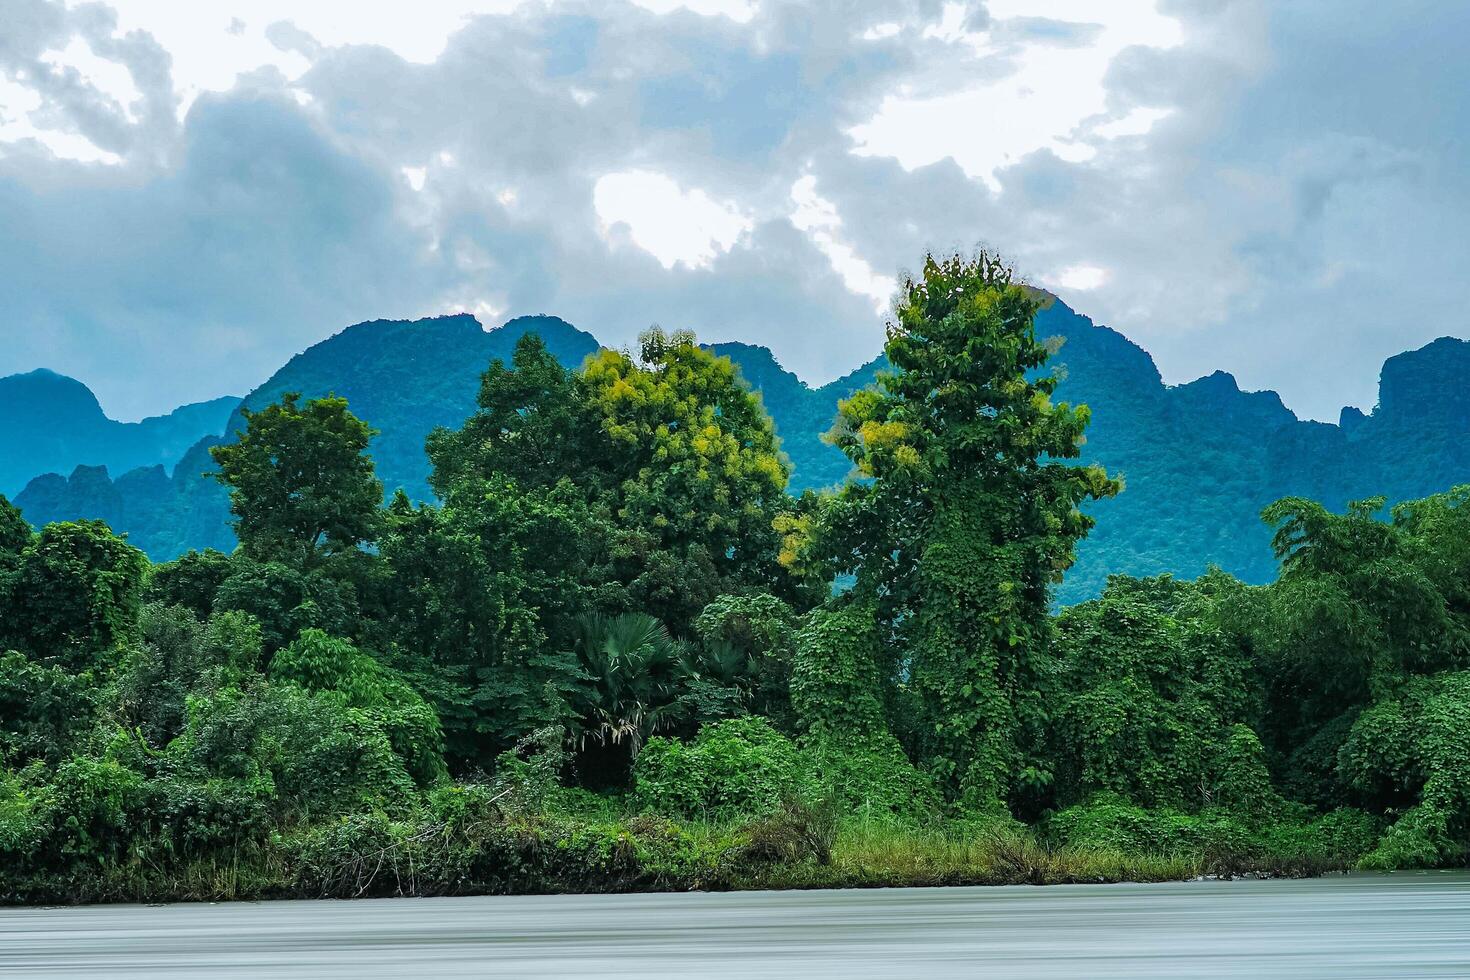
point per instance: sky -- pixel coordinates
(191, 193)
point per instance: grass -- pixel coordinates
(606, 849)
(887, 855)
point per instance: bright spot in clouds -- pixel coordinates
(1054, 89)
(1081, 277)
(671, 224)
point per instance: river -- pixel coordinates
(1400, 925)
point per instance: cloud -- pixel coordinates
(189, 196)
(671, 224)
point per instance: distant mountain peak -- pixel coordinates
(1219, 392)
(1426, 383)
(43, 394)
(50, 422)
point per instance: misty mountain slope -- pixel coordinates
(802, 414)
(52, 423)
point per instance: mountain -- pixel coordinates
(404, 376)
(407, 377)
(1200, 460)
(52, 423)
(801, 413)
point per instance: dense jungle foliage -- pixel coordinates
(619, 655)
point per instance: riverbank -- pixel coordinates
(469, 851)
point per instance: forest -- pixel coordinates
(615, 653)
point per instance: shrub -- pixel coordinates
(528, 776)
(874, 781)
(1415, 748)
(44, 710)
(736, 768)
(336, 670)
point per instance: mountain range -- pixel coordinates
(1199, 460)
(49, 422)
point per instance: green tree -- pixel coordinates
(632, 691)
(179, 655)
(15, 533)
(334, 669)
(969, 514)
(1146, 696)
(73, 596)
(192, 580)
(534, 425)
(301, 485)
(749, 640)
(1354, 612)
(1411, 753)
(44, 711)
(677, 463)
(696, 465)
(482, 598)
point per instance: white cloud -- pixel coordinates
(818, 217)
(17, 103)
(671, 224)
(109, 77)
(212, 42)
(739, 11)
(1038, 105)
(1081, 277)
(1136, 123)
(1299, 157)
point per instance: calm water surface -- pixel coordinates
(1400, 925)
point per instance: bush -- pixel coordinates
(737, 768)
(310, 754)
(335, 670)
(874, 781)
(1415, 749)
(1291, 841)
(44, 711)
(528, 776)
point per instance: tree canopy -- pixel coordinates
(301, 484)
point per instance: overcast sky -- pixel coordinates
(192, 192)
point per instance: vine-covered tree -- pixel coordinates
(968, 513)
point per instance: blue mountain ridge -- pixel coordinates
(49, 422)
(1199, 460)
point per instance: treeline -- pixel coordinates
(617, 654)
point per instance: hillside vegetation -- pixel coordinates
(609, 655)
